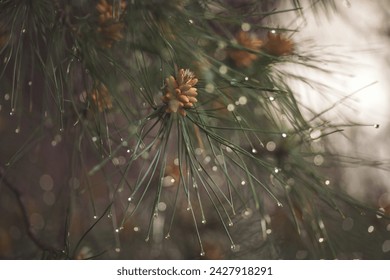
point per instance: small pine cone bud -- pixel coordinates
(188, 105)
(101, 98)
(179, 92)
(191, 92)
(165, 99)
(183, 98)
(102, 6)
(243, 58)
(193, 82)
(109, 28)
(184, 88)
(278, 45)
(192, 99)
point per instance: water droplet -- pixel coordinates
(109, 216)
(115, 161)
(46, 182)
(162, 206)
(7, 96)
(210, 88)
(327, 182)
(273, 31)
(147, 239)
(230, 107)
(380, 213)
(17, 130)
(30, 83)
(229, 150)
(233, 82)
(376, 125)
(271, 98)
(270, 146)
(247, 213)
(268, 231)
(280, 204)
(202, 254)
(23, 30)
(243, 183)
(370, 229)
(136, 229)
(117, 230)
(214, 168)
(207, 159)
(386, 246)
(204, 221)
(242, 100)
(233, 247)
(223, 69)
(95, 217)
(167, 236)
(315, 134)
(284, 135)
(117, 250)
(321, 239)
(245, 26)
(318, 160)
(254, 151)
(231, 224)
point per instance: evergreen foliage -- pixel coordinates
(171, 122)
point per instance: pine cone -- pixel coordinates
(244, 58)
(179, 93)
(109, 27)
(101, 98)
(277, 45)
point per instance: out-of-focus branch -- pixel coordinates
(18, 196)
